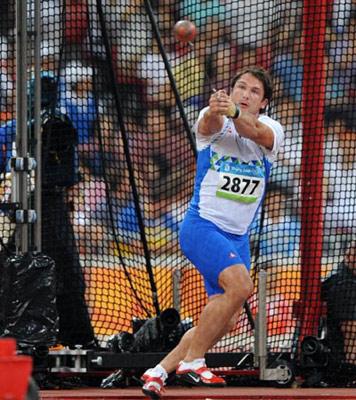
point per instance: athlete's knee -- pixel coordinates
(236, 282)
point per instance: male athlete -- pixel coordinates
(236, 147)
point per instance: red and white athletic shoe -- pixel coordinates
(146, 375)
(200, 377)
(153, 385)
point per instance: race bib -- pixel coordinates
(240, 182)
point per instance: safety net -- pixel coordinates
(118, 172)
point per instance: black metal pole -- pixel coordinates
(20, 176)
(37, 239)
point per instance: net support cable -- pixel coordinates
(170, 75)
(110, 205)
(135, 193)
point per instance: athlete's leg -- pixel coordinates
(237, 286)
(172, 359)
(221, 259)
(222, 303)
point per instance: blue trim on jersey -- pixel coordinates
(203, 165)
(268, 167)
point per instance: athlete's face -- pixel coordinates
(248, 93)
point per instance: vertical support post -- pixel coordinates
(37, 128)
(19, 188)
(312, 163)
(176, 278)
(261, 330)
(261, 348)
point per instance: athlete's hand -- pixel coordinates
(221, 103)
(218, 102)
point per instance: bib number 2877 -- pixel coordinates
(239, 187)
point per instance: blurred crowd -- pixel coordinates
(114, 86)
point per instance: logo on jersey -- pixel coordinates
(216, 161)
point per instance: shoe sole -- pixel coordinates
(187, 379)
(152, 395)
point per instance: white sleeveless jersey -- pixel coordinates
(231, 175)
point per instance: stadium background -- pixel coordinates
(136, 154)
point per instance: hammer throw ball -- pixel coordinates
(185, 31)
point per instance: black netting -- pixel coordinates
(135, 158)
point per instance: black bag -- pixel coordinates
(29, 293)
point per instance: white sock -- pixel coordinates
(159, 372)
(195, 364)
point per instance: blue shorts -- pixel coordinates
(211, 249)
